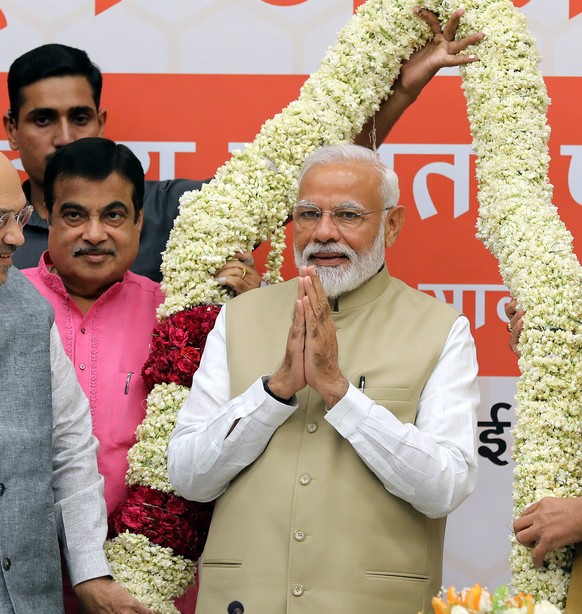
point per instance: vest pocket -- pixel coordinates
(396, 400)
(221, 564)
(392, 575)
(388, 394)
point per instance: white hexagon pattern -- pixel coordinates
(231, 36)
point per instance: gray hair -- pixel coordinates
(347, 152)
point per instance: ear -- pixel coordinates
(10, 128)
(139, 222)
(393, 225)
(102, 118)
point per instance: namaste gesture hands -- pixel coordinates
(311, 356)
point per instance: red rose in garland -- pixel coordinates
(177, 346)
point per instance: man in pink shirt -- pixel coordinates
(104, 312)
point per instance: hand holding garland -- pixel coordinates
(550, 523)
(104, 595)
(440, 52)
(515, 325)
(239, 273)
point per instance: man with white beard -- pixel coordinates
(338, 444)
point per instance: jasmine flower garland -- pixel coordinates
(507, 104)
(250, 198)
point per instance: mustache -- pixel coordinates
(327, 248)
(7, 249)
(93, 251)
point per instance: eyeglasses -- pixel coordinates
(345, 218)
(21, 218)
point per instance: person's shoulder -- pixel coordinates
(267, 294)
(172, 187)
(143, 284)
(26, 285)
(31, 273)
(33, 276)
(422, 299)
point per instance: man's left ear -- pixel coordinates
(393, 225)
(139, 222)
(102, 118)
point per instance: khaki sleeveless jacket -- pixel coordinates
(308, 528)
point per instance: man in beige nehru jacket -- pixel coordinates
(336, 445)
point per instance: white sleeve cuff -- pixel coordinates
(350, 411)
(264, 407)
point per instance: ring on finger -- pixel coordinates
(243, 272)
(509, 329)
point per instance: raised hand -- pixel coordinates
(440, 52)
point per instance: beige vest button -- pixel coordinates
(304, 479)
(299, 535)
(312, 427)
(297, 590)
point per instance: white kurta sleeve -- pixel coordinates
(215, 438)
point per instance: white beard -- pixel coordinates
(337, 280)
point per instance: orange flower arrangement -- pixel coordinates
(478, 600)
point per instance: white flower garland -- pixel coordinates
(507, 103)
(155, 575)
(250, 197)
(147, 458)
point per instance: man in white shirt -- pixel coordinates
(337, 445)
(50, 489)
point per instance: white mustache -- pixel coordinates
(328, 248)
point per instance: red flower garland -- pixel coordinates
(165, 519)
(177, 346)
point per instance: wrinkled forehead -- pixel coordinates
(329, 185)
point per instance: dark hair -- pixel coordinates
(52, 60)
(94, 158)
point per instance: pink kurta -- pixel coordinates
(108, 347)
